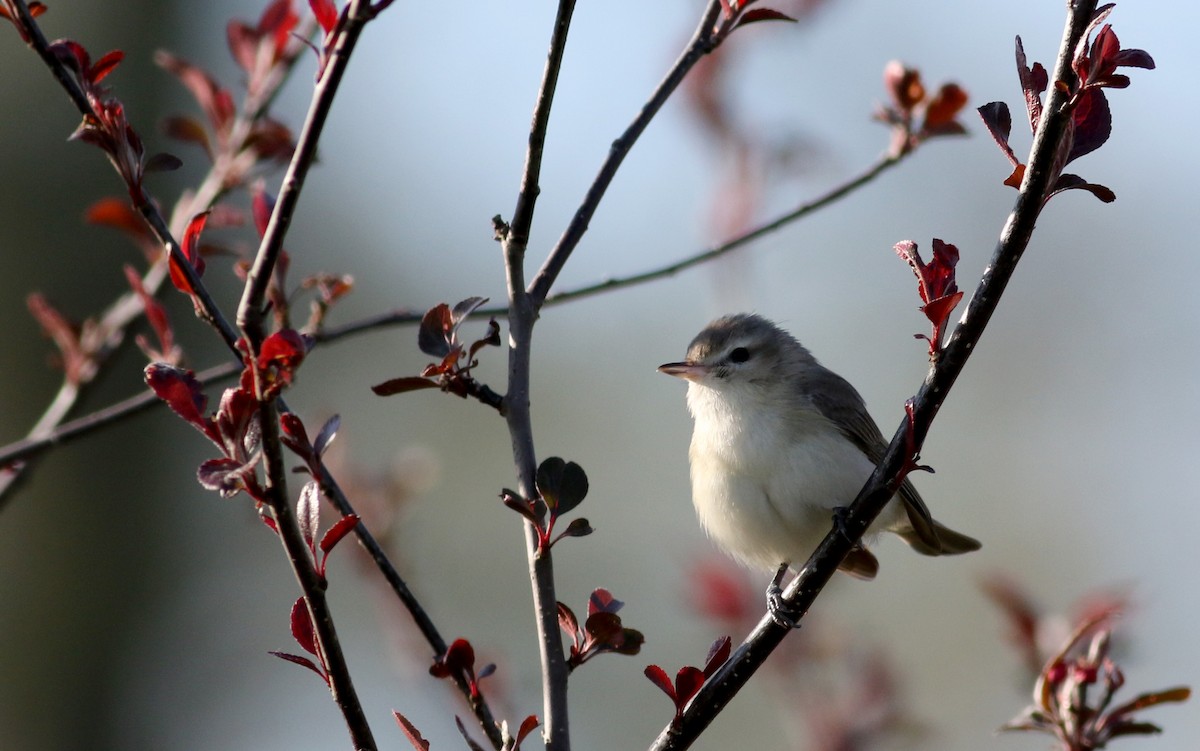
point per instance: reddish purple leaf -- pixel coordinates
(411, 732)
(301, 661)
(401, 385)
(162, 162)
(434, 334)
(762, 14)
(325, 12)
(687, 682)
(188, 129)
(659, 678)
(302, 627)
(567, 620)
(602, 601)
(190, 249)
(224, 475)
(262, 205)
(181, 391)
(528, 725)
(718, 653)
(343, 527)
(216, 101)
(118, 214)
(105, 65)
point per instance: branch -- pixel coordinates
(703, 41)
(341, 687)
(879, 489)
(522, 313)
(250, 313)
(882, 164)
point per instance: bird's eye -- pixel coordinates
(739, 354)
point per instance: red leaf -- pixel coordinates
(762, 14)
(659, 678)
(411, 732)
(118, 214)
(182, 393)
(216, 102)
(528, 725)
(1093, 124)
(945, 106)
(191, 252)
(401, 385)
(243, 44)
(718, 653)
(105, 65)
(687, 682)
(278, 20)
(567, 620)
(602, 601)
(188, 129)
(325, 12)
(301, 661)
(262, 205)
(302, 627)
(156, 314)
(434, 335)
(344, 526)
(224, 475)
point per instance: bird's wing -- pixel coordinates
(841, 404)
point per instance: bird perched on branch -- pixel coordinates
(781, 442)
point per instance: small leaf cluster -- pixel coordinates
(689, 679)
(1064, 705)
(935, 284)
(1095, 64)
(561, 487)
(601, 632)
(438, 337)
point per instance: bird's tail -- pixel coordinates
(950, 542)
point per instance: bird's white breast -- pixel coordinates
(766, 476)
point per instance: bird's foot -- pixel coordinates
(783, 613)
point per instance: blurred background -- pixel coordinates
(136, 610)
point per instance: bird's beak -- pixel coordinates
(689, 370)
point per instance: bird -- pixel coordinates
(780, 443)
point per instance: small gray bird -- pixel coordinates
(779, 443)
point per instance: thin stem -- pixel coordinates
(357, 14)
(528, 195)
(341, 687)
(909, 437)
(424, 623)
(702, 42)
(880, 165)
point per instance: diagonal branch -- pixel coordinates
(1014, 239)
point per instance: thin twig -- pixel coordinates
(879, 166)
(249, 316)
(808, 584)
(702, 42)
(337, 672)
